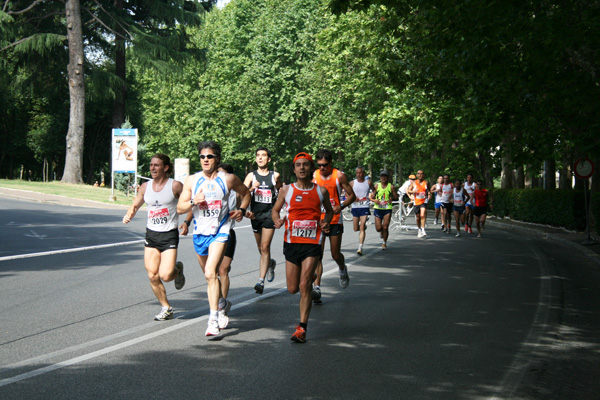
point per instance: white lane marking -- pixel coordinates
(120, 346)
(76, 249)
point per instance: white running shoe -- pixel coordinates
(223, 316)
(479, 235)
(424, 233)
(458, 234)
(420, 234)
(213, 328)
(165, 314)
(344, 278)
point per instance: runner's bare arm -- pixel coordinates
(278, 183)
(184, 205)
(350, 196)
(328, 210)
(237, 186)
(137, 203)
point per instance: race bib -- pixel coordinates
(362, 202)
(263, 196)
(159, 216)
(305, 229)
(210, 208)
(421, 195)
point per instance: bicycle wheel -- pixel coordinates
(347, 214)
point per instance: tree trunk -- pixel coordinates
(520, 177)
(118, 117)
(74, 158)
(566, 175)
(550, 174)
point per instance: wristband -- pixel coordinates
(187, 222)
(192, 202)
(243, 210)
(343, 206)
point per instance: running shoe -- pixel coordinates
(470, 230)
(435, 221)
(300, 335)
(479, 235)
(316, 293)
(424, 233)
(359, 252)
(223, 317)
(165, 314)
(180, 279)
(259, 287)
(443, 227)
(271, 270)
(466, 228)
(420, 234)
(213, 328)
(384, 247)
(344, 278)
(458, 234)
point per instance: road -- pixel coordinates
(508, 316)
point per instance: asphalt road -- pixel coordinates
(503, 317)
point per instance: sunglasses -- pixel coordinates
(322, 165)
(209, 156)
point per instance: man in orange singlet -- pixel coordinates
(304, 229)
(420, 189)
(334, 181)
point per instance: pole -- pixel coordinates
(588, 241)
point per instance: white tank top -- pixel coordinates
(211, 216)
(470, 189)
(459, 197)
(361, 190)
(162, 208)
(446, 192)
(438, 195)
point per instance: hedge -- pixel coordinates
(561, 208)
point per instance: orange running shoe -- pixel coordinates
(466, 228)
(300, 335)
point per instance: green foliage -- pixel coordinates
(563, 208)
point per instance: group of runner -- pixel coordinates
(214, 199)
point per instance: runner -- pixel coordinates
(263, 185)
(470, 188)
(437, 190)
(406, 198)
(382, 196)
(206, 193)
(460, 197)
(334, 181)
(420, 189)
(361, 207)
(447, 189)
(304, 228)
(225, 266)
(482, 199)
(162, 236)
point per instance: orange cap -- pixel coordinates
(303, 155)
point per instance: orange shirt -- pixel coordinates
(332, 184)
(421, 194)
(304, 213)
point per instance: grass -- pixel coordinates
(86, 192)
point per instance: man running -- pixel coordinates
(447, 189)
(470, 188)
(420, 189)
(207, 194)
(482, 198)
(361, 207)
(304, 228)
(437, 190)
(460, 198)
(383, 195)
(334, 181)
(162, 236)
(263, 185)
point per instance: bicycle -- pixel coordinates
(402, 212)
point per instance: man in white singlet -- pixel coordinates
(469, 186)
(361, 206)
(207, 194)
(460, 198)
(446, 191)
(162, 236)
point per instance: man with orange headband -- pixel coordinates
(304, 229)
(334, 181)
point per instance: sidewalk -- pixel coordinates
(55, 199)
(570, 238)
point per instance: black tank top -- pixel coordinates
(264, 197)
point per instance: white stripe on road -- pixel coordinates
(110, 349)
(64, 251)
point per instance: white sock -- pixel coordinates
(360, 246)
(214, 314)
